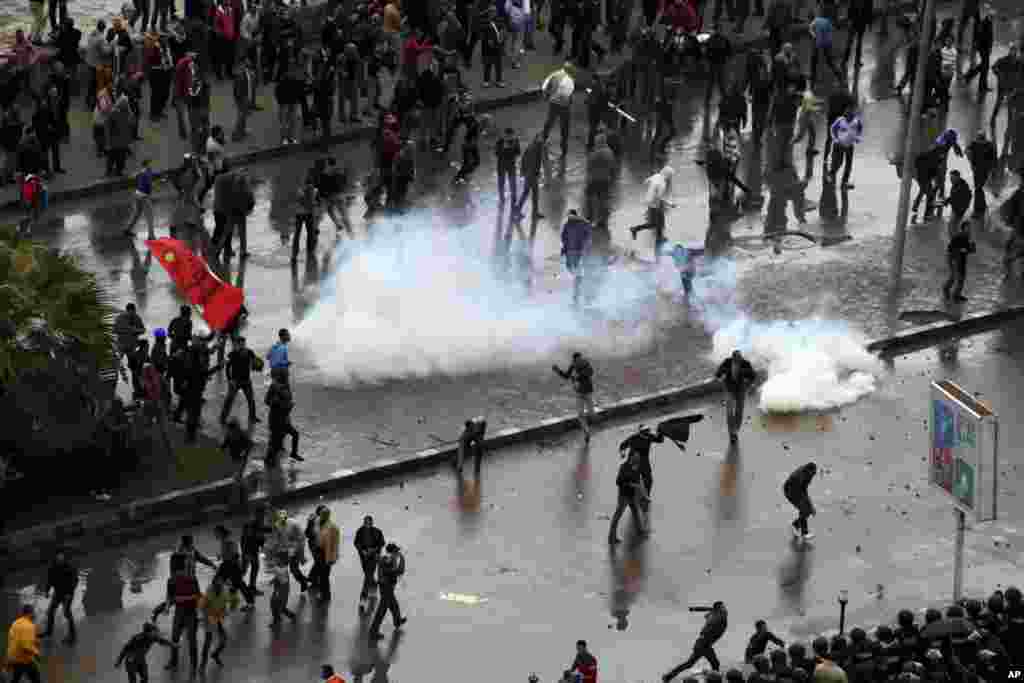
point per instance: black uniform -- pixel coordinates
(983, 157)
(369, 542)
(715, 623)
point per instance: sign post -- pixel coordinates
(964, 461)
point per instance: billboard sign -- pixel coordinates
(964, 443)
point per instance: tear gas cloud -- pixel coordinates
(427, 300)
(811, 364)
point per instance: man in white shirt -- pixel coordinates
(658, 187)
(558, 89)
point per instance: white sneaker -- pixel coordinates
(808, 536)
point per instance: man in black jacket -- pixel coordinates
(530, 166)
(640, 444)
(960, 245)
(369, 542)
(507, 149)
(795, 490)
(62, 579)
(959, 200)
(860, 15)
(240, 364)
(737, 374)
(632, 494)
(984, 38)
(581, 373)
(983, 157)
(392, 567)
(715, 623)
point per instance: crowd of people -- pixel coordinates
(280, 541)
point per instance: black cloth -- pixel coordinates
(758, 643)
(139, 645)
(237, 444)
(960, 245)
(798, 482)
(581, 373)
(369, 540)
(745, 376)
(960, 196)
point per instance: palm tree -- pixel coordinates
(55, 336)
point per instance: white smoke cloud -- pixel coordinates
(811, 363)
(426, 300)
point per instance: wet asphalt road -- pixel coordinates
(346, 426)
(526, 543)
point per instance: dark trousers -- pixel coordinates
(160, 91)
(58, 12)
(804, 508)
(279, 429)
(185, 622)
(137, 670)
(222, 641)
(492, 64)
(470, 161)
(980, 201)
(54, 153)
(926, 188)
(957, 275)
(856, 36)
(304, 220)
(655, 222)
(369, 564)
(825, 52)
(29, 671)
(296, 569)
(981, 69)
(636, 509)
(388, 603)
(842, 156)
(233, 389)
(251, 566)
(231, 572)
(560, 113)
(191, 404)
(56, 602)
(507, 174)
(701, 649)
(116, 159)
(530, 190)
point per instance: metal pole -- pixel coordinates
(910, 146)
(958, 557)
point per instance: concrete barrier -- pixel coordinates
(206, 503)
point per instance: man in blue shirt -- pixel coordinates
(143, 200)
(277, 357)
(822, 32)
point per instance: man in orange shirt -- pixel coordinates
(23, 647)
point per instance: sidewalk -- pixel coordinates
(161, 144)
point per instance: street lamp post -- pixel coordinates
(844, 597)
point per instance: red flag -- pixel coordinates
(218, 302)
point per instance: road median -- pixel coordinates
(208, 502)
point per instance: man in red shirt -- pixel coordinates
(585, 663)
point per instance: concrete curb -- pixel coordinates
(522, 97)
(201, 504)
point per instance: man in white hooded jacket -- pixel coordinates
(658, 187)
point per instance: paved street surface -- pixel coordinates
(527, 545)
(345, 426)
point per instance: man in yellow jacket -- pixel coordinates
(330, 539)
(23, 647)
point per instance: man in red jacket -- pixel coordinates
(186, 81)
(585, 663)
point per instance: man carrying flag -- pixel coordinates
(218, 302)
